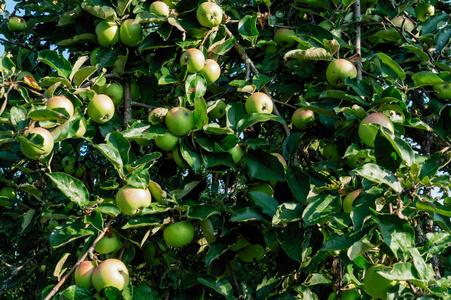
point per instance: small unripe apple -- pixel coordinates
(110, 242)
(178, 234)
(236, 152)
(218, 111)
(167, 141)
(209, 14)
(283, 37)
(179, 120)
(443, 90)
(367, 135)
(130, 33)
(58, 102)
(194, 59)
(83, 274)
(17, 24)
(211, 71)
(107, 33)
(302, 118)
(101, 108)
(349, 200)
(132, 200)
(424, 10)
(338, 70)
(259, 103)
(159, 8)
(34, 151)
(375, 284)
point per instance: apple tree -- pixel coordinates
(263, 149)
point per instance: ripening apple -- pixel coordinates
(236, 152)
(424, 10)
(251, 252)
(110, 273)
(194, 59)
(101, 108)
(218, 111)
(259, 103)
(178, 234)
(159, 8)
(7, 196)
(17, 24)
(211, 71)
(366, 134)
(338, 70)
(110, 242)
(116, 92)
(283, 37)
(167, 141)
(130, 33)
(107, 33)
(443, 90)
(33, 151)
(302, 118)
(179, 120)
(209, 14)
(408, 25)
(349, 200)
(58, 102)
(83, 274)
(132, 200)
(375, 284)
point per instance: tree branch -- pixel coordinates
(127, 101)
(358, 38)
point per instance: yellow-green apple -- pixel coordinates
(58, 102)
(159, 8)
(375, 284)
(167, 141)
(178, 234)
(110, 242)
(7, 196)
(17, 24)
(211, 71)
(83, 274)
(251, 252)
(130, 33)
(302, 118)
(179, 120)
(283, 37)
(107, 33)
(366, 134)
(110, 273)
(424, 10)
(116, 92)
(401, 21)
(209, 14)
(236, 152)
(34, 151)
(259, 103)
(217, 110)
(194, 59)
(132, 200)
(443, 90)
(338, 70)
(349, 200)
(101, 108)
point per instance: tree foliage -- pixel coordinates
(285, 194)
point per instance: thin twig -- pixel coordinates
(20, 45)
(358, 38)
(235, 281)
(127, 101)
(134, 103)
(82, 258)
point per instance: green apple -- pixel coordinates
(167, 141)
(17, 24)
(330, 153)
(349, 200)
(149, 252)
(283, 37)
(101, 108)
(194, 59)
(217, 110)
(179, 120)
(33, 151)
(159, 8)
(110, 242)
(110, 273)
(93, 56)
(236, 152)
(7, 196)
(179, 234)
(132, 200)
(375, 284)
(179, 159)
(211, 71)
(116, 92)
(107, 33)
(143, 142)
(130, 33)
(259, 103)
(366, 134)
(81, 128)
(302, 118)
(352, 294)
(209, 14)
(251, 252)
(83, 274)
(423, 11)
(338, 70)
(61, 102)
(443, 90)
(403, 22)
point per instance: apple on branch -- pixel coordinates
(259, 103)
(110, 273)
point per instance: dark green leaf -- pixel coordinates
(56, 61)
(321, 207)
(73, 188)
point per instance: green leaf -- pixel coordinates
(287, 213)
(195, 87)
(143, 221)
(56, 61)
(342, 95)
(267, 203)
(138, 177)
(247, 28)
(200, 113)
(264, 166)
(249, 213)
(255, 118)
(76, 292)
(83, 74)
(261, 80)
(67, 232)
(434, 207)
(109, 209)
(100, 11)
(348, 3)
(392, 64)
(378, 174)
(344, 241)
(442, 38)
(144, 292)
(435, 162)
(361, 206)
(417, 50)
(218, 284)
(360, 247)
(299, 183)
(95, 219)
(202, 212)
(425, 78)
(73, 188)
(290, 239)
(292, 144)
(234, 114)
(386, 152)
(312, 53)
(320, 207)
(424, 270)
